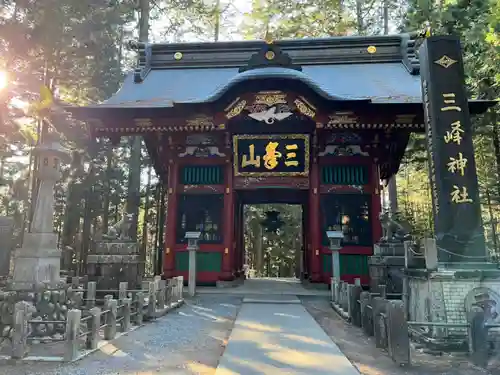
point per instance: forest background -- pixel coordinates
(76, 47)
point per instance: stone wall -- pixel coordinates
(444, 296)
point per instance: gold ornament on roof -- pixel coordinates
(178, 55)
(371, 49)
(270, 98)
(268, 38)
(270, 55)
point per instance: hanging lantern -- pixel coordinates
(272, 223)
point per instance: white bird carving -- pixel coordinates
(270, 115)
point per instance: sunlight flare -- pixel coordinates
(3, 79)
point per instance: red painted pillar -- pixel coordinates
(314, 225)
(376, 204)
(228, 222)
(171, 224)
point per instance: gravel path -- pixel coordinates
(189, 340)
(369, 360)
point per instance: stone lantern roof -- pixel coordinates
(52, 147)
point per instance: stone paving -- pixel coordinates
(280, 339)
(189, 340)
(268, 286)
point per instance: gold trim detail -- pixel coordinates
(270, 98)
(200, 121)
(445, 61)
(178, 55)
(405, 119)
(167, 250)
(342, 118)
(304, 109)
(236, 110)
(386, 126)
(226, 251)
(143, 122)
(371, 49)
(270, 55)
(237, 172)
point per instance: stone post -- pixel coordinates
(193, 238)
(94, 325)
(139, 303)
(478, 338)
(127, 309)
(397, 333)
(151, 312)
(169, 291)
(354, 305)
(72, 333)
(162, 290)
(110, 329)
(22, 313)
(431, 254)
(343, 296)
(180, 286)
(364, 299)
(336, 293)
(409, 255)
(382, 289)
(91, 292)
(122, 291)
(379, 324)
(336, 262)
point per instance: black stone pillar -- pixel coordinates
(455, 195)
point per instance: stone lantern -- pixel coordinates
(38, 261)
(50, 155)
(335, 238)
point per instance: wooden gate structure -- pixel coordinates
(318, 122)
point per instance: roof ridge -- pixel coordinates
(307, 51)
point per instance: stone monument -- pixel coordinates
(115, 258)
(38, 260)
(457, 277)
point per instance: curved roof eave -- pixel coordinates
(277, 73)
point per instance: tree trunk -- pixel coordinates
(493, 222)
(393, 195)
(359, 17)
(496, 146)
(217, 15)
(145, 221)
(386, 17)
(134, 180)
(107, 192)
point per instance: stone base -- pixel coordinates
(37, 262)
(447, 295)
(113, 262)
(389, 249)
(388, 271)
